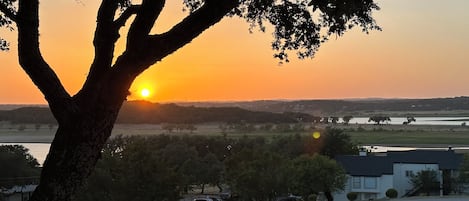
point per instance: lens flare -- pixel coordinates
(316, 135)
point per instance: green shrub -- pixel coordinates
(391, 193)
(312, 197)
(352, 196)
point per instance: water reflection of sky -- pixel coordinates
(419, 120)
(38, 150)
(391, 148)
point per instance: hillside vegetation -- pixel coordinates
(259, 111)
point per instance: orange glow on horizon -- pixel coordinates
(227, 63)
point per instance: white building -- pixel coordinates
(372, 175)
(17, 193)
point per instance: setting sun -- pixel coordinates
(145, 93)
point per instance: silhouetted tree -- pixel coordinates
(325, 120)
(168, 127)
(85, 120)
(410, 119)
(316, 120)
(334, 120)
(314, 174)
(379, 119)
(335, 142)
(16, 162)
(426, 180)
(347, 119)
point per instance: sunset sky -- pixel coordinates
(423, 51)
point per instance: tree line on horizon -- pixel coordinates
(141, 112)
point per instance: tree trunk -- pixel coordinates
(73, 155)
(329, 196)
(203, 189)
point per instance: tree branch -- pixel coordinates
(104, 41)
(189, 28)
(122, 19)
(8, 12)
(143, 23)
(33, 63)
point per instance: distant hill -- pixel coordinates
(273, 111)
(321, 107)
(146, 112)
(152, 113)
(16, 106)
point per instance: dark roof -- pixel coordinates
(447, 160)
(366, 165)
(379, 165)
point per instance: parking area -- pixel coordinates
(435, 198)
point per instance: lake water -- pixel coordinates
(38, 150)
(455, 121)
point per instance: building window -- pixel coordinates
(356, 182)
(409, 173)
(370, 183)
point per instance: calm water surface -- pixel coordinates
(38, 150)
(454, 121)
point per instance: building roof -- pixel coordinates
(366, 165)
(382, 165)
(19, 189)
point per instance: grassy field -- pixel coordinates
(364, 134)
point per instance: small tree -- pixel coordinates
(379, 119)
(410, 119)
(168, 127)
(336, 142)
(347, 119)
(190, 127)
(334, 120)
(313, 174)
(426, 180)
(391, 193)
(463, 177)
(352, 196)
(16, 162)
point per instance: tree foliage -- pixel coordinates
(165, 167)
(379, 119)
(255, 174)
(335, 142)
(347, 119)
(463, 176)
(17, 166)
(426, 180)
(314, 174)
(352, 196)
(391, 193)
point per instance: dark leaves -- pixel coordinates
(302, 25)
(4, 45)
(7, 8)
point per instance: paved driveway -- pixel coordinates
(435, 198)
